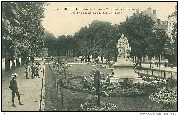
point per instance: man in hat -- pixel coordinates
(14, 89)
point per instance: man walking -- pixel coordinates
(14, 89)
(26, 70)
(33, 71)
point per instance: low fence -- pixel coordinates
(42, 99)
(55, 94)
(155, 72)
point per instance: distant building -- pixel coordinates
(151, 13)
(159, 25)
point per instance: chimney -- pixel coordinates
(158, 21)
(154, 12)
(137, 11)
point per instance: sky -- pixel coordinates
(66, 18)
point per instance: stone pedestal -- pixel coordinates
(123, 70)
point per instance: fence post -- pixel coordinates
(164, 74)
(171, 74)
(62, 99)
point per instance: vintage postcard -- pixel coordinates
(89, 56)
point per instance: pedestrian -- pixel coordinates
(26, 70)
(26, 74)
(14, 88)
(32, 71)
(36, 72)
(26, 66)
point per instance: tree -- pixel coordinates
(138, 29)
(171, 46)
(83, 41)
(60, 46)
(22, 29)
(31, 16)
(156, 44)
(49, 41)
(174, 44)
(10, 26)
(98, 39)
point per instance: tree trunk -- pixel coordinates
(102, 59)
(13, 63)
(108, 57)
(140, 61)
(86, 56)
(159, 61)
(7, 59)
(17, 62)
(23, 59)
(144, 59)
(136, 60)
(7, 64)
(89, 58)
(150, 62)
(115, 57)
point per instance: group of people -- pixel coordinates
(33, 70)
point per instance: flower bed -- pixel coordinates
(166, 96)
(125, 88)
(92, 106)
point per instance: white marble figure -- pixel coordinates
(123, 49)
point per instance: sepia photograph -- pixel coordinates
(89, 56)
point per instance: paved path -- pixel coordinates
(30, 90)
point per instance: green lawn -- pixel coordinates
(85, 69)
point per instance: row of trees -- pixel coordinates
(22, 32)
(100, 39)
(97, 39)
(60, 46)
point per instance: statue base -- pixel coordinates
(124, 69)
